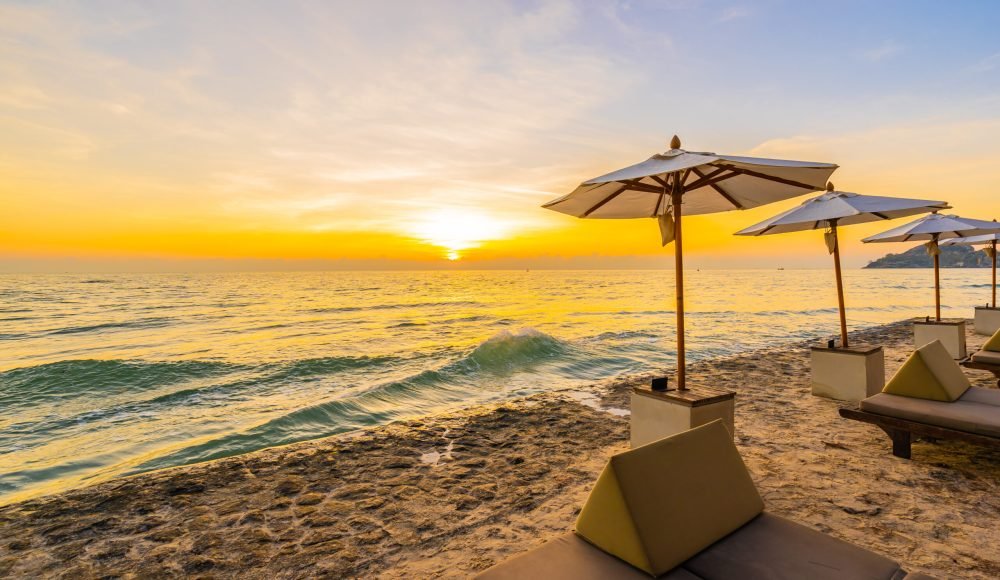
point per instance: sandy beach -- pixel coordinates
(450, 495)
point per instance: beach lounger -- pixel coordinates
(685, 508)
(929, 396)
(987, 358)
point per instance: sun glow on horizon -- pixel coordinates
(135, 136)
(455, 230)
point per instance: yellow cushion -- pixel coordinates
(603, 518)
(929, 373)
(993, 344)
(660, 504)
(948, 373)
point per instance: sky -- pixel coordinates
(377, 134)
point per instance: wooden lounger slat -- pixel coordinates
(902, 431)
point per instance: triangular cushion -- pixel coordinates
(604, 518)
(944, 367)
(926, 375)
(993, 344)
(670, 499)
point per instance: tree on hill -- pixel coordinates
(951, 257)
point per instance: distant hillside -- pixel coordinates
(951, 257)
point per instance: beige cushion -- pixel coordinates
(929, 373)
(768, 547)
(947, 371)
(993, 344)
(569, 557)
(771, 547)
(982, 396)
(969, 416)
(657, 505)
(987, 356)
(606, 521)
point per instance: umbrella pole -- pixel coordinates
(994, 273)
(675, 199)
(840, 285)
(937, 287)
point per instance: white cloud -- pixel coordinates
(734, 13)
(884, 51)
(986, 65)
(435, 105)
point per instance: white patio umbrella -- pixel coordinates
(840, 208)
(991, 250)
(667, 184)
(932, 228)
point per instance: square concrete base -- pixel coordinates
(987, 320)
(848, 374)
(659, 414)
(951, 333)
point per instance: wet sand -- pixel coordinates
(452, 494)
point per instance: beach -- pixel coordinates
(449, 495)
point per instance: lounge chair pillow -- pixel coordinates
(987, 356)
(993, 344)
(657, 505)
(929, 373)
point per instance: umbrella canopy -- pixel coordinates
(935, 226)
(972, 240)
(932, 228)
(991, 250)
(838, 208)
(841, 208)
(667, 184)
(711, 183)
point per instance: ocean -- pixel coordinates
(109, 375)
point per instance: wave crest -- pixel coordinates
(509, 351)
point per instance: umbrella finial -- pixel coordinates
(675, 143)
(829, 186)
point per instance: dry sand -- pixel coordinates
(449, 495)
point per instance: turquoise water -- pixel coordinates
(107, 375)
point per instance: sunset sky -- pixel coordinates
(427, 134)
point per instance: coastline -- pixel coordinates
(449, 495)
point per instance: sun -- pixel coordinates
(455, 230)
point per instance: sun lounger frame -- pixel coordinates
(968, 363)
(902, 431)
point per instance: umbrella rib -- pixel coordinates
(659, 180)
(662, 194)
(637, 185)
(713, 185)
(604, 201)
(656, 208)
(759, 175)
(704, 179)
(880, 215)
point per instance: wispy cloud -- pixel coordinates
(884, 51)
(986, 65)
(734, 13)
(323, 120)
(160, 120)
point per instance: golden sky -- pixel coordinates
(414, 136)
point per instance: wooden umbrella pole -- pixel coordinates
(937, 284)
(675, 198)
(994, 245)
(840, 285)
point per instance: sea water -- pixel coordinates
(107, 375)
